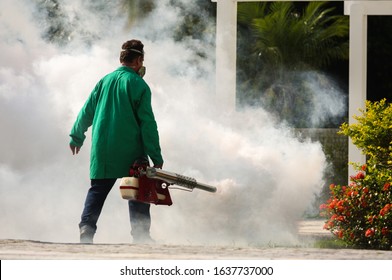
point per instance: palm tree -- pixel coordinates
(280, 41)
(293, 40)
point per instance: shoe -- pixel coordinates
(86, 234)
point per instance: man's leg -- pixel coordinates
(95, 199)
(139, 214)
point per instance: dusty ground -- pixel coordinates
(310, 230)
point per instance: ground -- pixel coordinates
(12, 249)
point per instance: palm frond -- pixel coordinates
(246, 12)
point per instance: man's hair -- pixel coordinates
(130, 50)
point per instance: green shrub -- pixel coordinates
(360, 214)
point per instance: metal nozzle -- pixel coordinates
(177, 179)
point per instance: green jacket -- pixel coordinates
(123, 124)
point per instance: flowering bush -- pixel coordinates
(360, 214)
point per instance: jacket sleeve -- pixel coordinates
(148, 127)
(84, 120)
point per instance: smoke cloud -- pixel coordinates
(266, 177)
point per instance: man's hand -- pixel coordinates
(74, 149)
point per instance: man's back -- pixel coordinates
(120, 111)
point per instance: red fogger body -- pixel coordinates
(151, 185)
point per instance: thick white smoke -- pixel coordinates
(265, 176)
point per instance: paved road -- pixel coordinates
(24, 249)
(310, 230)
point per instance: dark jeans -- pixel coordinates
(139, 213)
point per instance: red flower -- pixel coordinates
(369, 232)
(371, 219)
(384, 231)
(386, 186)
(339, 206)
(360, 175)
(364, 167)
(385, 210)
(333, 204)
(339, 234)
(328, 225)
(323, 206)
(366, 190)
(353, 194)
(340, 218)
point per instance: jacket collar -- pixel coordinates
(126, 68)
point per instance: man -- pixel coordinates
(123, 131)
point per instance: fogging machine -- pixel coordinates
(151, 185)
